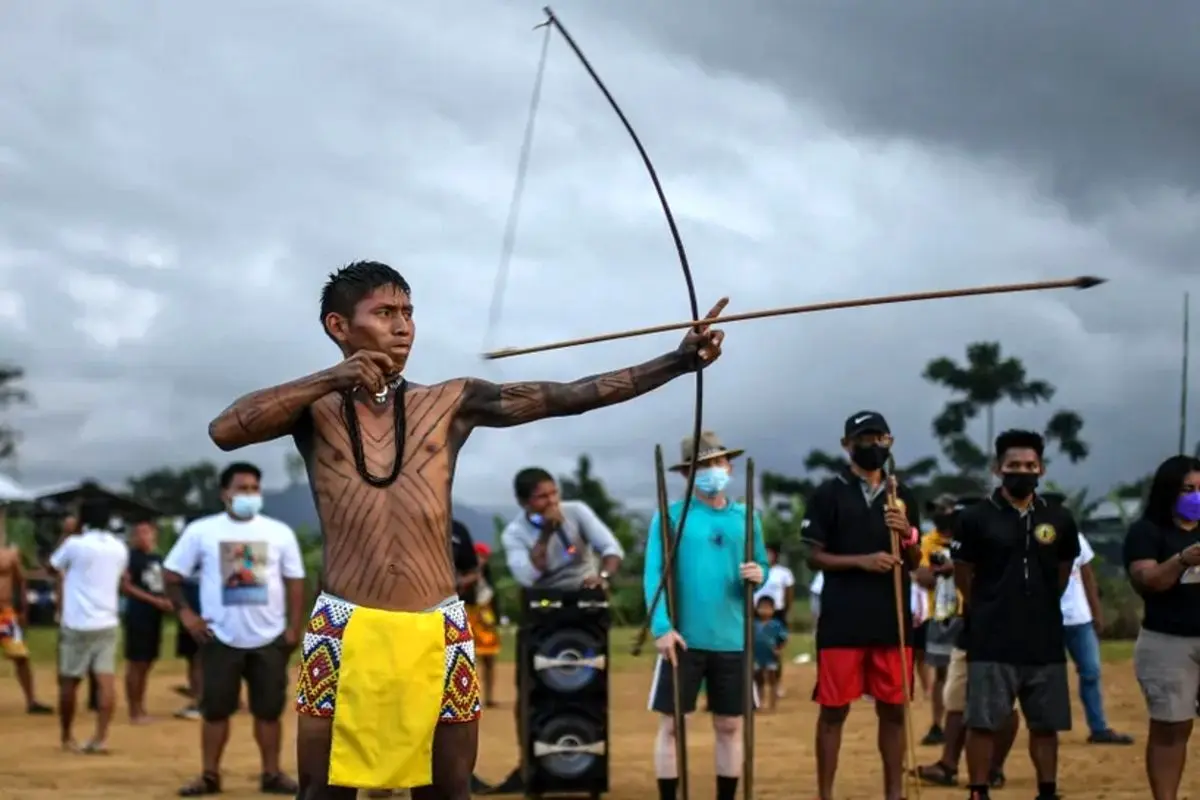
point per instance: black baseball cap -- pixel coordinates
(866, 422)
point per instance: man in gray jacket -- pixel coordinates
(555, 543)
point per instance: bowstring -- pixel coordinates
(508, 244)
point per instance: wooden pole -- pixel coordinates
(907, 770)
(1183, 388)
(748, 646)
(667, 534)
(833, 305)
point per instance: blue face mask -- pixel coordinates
(245, 506)
(712, 480)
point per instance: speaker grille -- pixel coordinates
(567, 644)
(568, 730)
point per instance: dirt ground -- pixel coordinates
(151, 761)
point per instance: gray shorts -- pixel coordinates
(1168, 670)
(81, 652)
(993, 689)
(940, 636)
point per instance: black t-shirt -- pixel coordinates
(1014, 614)
(465, 558)
(858, 608)
(145, 572)
(1177, 610)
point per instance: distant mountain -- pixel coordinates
(294, 505)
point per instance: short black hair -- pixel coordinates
(239, 468)
(1020, 440)
(766, 598)
(1164, 489)
(773, 548)
(95, 513)
(527, 482)
(349, 285)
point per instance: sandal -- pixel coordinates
(208, 783)
(278, 784)
(937, 774)
(94, 748)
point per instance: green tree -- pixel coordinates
(980, 385)
(583, 485)
(774, 484)
(184, 491)
(826, 464)
(11, 394)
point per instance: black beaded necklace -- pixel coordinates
(356, 445)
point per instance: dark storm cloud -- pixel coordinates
(175, 186)
(1100, 97)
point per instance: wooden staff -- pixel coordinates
(907, 770)
(748, 648)
(912, 297)
(668, 539)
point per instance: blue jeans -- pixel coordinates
(1083, 645)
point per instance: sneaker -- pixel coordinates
(1109, 736)
(39, 709)
(934, 737)
(188, 712)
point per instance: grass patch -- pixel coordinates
(42, 643)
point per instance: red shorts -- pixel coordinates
(844, 674)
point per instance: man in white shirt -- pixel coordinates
(780, 586)
(252, 597)
(91, 565)
(1081, 622)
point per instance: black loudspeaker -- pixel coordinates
(563, 663)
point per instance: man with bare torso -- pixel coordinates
(388, 696)
(12, 619)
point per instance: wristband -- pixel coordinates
(913, 537)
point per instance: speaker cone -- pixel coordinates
(569, 645)
(568, 730)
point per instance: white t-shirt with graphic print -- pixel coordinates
(242, 565)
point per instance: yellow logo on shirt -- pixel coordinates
(1045, 534)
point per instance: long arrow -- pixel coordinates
(1084, 282)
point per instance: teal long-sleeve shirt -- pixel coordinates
(708, 590)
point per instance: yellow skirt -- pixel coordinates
(387, 679)
(483, 629)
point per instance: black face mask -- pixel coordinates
(869, 457)
(1019, 485)
(943, 521)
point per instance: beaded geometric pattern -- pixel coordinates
(460, 693)
(321, 660)
(321, 656)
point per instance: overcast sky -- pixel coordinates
(176, 181)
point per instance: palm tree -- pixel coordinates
(11, 393)
(987, 379)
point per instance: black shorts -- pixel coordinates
(143, 640)
(265, 670)
(723, 677)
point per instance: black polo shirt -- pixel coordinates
(1014, 614)
(1177, 610)
(858, 608)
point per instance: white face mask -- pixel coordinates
(712, 480)
(245, 506)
